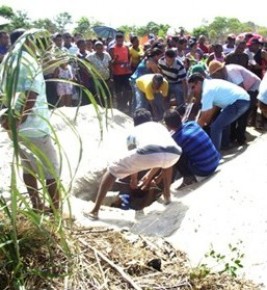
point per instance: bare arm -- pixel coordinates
(146, 180)
(206, 116)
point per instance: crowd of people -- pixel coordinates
(189, 101)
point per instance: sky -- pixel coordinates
(115, 13)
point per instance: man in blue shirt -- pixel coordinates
(199, 155)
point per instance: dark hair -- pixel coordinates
(158, 45)
(182, 40)
(191, 42)
(175, 39)
(172, 119)
(119, 34)
(170, 53)
(151, 52)
(16, 34)
(57, 35)
(141, 116)
(133, 38)
(80, 42)
(67, 35)
(196, 77)
(158, 79)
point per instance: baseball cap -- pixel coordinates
(198, 68)
(253, 40)
(98, 42)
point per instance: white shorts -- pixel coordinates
(133, 162)
(38, 156)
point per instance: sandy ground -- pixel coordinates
(227, 208)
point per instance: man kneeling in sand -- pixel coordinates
(199, 157)
(150, 147)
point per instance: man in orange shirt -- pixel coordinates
(121, 71)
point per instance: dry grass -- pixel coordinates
(102, 258)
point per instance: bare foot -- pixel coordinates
(167, 200)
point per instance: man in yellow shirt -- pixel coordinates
(151, 90)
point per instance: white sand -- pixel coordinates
(226, 208)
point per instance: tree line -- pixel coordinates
(217, 30)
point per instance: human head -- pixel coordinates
(172, 119)
(57, 39)
(254, 44)
(134, 41)
(192, 43)
(119, 38)
(170, 56)
(202, 39)
(81, 44)
(4, 38)
(16, 34)
(240, 45)
(154, 53)
(141, 116)
(67, 37)
(89, 44)
(231, 40)
(157, 81)
(195, 83)
(199, 68)
(217, 49)
(99, 46)
(217, 69)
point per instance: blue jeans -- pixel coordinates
(224, 120)
(141, 102)
(176, 90)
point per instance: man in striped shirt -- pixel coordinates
(199, 155)
(174, 72)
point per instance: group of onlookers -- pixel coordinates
(205, 95)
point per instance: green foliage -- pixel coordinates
(201, 30)
(6, 12)
(220, 27)
(220, 263)
(30, 242)
(62, 20)
(45, 23)
(84, 27)
(263, 31)
(152, 27)
(127, 29)
(20, 20)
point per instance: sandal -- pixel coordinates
(91, 215)
(189, 180)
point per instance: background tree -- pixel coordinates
(62, 20)
(219, 25)
(45, 23)
(201, 30)
(83, 27)
(6, 12)
(213, 36)
(20, 19)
